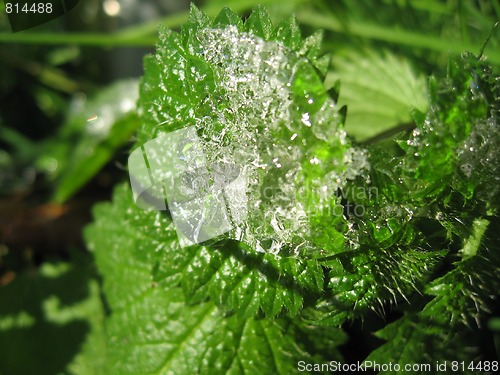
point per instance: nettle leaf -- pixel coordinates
(388, 256)
(288, 32)
(454, 136)
(255, 95)
(401, 230)
(227, 17)
(237, 278)
(180, 339)
(258, 104)
(462, 106)
(311, 46)
(259, 23)
(368, 279)
(463, 297)
(380, 90)
(234, 277)
(413, 342)
(153, 329)
(371, 279)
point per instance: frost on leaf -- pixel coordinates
(257, 100)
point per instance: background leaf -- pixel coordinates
(94, 131)
(380, 90)
(51, 314)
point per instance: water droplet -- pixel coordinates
(305, 119)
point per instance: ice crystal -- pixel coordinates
(259, 81)
(266, 113)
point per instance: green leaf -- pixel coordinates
(311, 46)
(93, 133)
(288, 32)
(413, 342)
(237, 278)
(462, 298)
(254, 102)
(259, 23)
(379, 90)
(464, 295)
(154, 330)
(227, 17)
(164, 335)
(455, 136)
(367, 279)
(234, 277)
(462, 106)
(261, 294)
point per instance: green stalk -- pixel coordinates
(391, 35)
(143, 35)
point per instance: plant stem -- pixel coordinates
(143, 35)
(391, 35)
